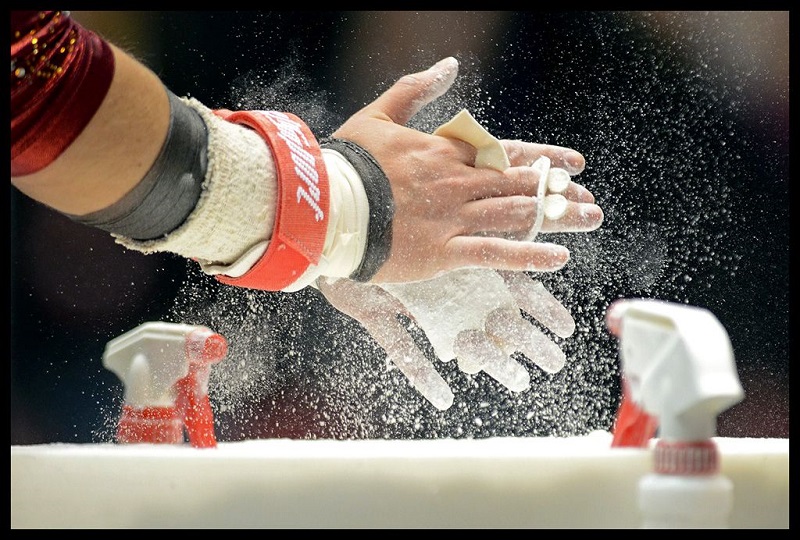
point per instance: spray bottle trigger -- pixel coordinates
(203, 348)
(633, 427)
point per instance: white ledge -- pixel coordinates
(571, 482)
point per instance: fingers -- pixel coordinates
(476, 352)
(402, 351)
(508, 372)
(534, 298)
(522, 153)
(525, 180)
(487, 211)
(516, 334)
(578, 193)
(419, 371)
(376, 310)
(503, 254)
(485, 191)
(567, 206)
(472, 350)
(490, 351)
(361, 301)
(486, 183)
(412, 92)
(578, 217)
(513, 217)
(499, 215)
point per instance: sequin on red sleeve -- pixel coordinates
(60, 74)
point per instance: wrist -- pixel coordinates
(236, 207)
(301, 223)
(376, 186)
(348, 223)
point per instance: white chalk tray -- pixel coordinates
(570, 482)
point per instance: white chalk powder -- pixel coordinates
(299, 368)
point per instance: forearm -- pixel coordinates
(101, 164)
(165, 174)
(122, 155)
(96, 137)
(235, 211)
(250, 195)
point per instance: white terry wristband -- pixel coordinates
(229, 230)
(348, 221)
(235, 214)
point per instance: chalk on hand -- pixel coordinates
(557, 180)
(555, 206)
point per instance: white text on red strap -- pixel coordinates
(304, 163)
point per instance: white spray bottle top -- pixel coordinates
(678, 367)
(165, 368)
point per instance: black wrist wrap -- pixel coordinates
(381, 206)
(168, 193)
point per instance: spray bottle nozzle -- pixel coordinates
(678, 371)
(165, 369)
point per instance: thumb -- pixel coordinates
(412, 92)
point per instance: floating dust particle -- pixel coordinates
(660, 163)
(108, 416)
(286, 90)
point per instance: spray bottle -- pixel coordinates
(679, 374)
(164, 368)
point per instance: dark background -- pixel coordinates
(683, 118)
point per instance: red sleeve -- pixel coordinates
(60, 74)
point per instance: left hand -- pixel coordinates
(444, 205)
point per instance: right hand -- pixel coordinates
(444, 206)
(473, 315)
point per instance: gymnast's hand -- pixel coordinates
(449, 213)
(474, 314)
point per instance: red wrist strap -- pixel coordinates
(301, 217)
